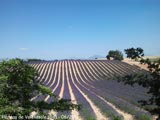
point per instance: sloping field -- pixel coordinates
(89, 83)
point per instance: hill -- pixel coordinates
(90, 83)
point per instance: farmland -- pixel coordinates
(90, 83)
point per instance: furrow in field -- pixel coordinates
(117, 68)
(39, 68)
(34, 65)
(62, 78)
(78, 64)
(84, 77)
(58, 89)
(108, 73)
(66, 93)
(99, 70)
(132, 68)
(63, 91)
(86, 88)
(55, 74)
(90, 75)
(125, 115)
(118, 90)
(96, 110)
(118, 99)
(47, 75)
(42, 72)
(105, 66)
(91, 84)
(125, 69)
(81, 74)
(74, 113)
(86, 110)
(93, 70)
(85, 73)
(128, 68)
(125, 92)
(56, 81)
(112, 68)
(113, 71)
(51, 74)
(53, 83)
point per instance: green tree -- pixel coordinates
(18, 84)
(116, 54)
(134, 53)
(34, 60)
(149, 80)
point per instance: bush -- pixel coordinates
(115, 54)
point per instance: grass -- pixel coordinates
(116, 118)
(152, 59)
(87, 114)
(112, 116)
(144, 117)
(90, 118)
(138, 115)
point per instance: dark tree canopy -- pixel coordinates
(115, 54)
(34, 60)
(18, 84)
(134, 52)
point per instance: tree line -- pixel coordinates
(132, 53)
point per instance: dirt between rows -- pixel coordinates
(132, 62)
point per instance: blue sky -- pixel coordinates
(59, 29)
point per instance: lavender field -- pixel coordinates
(90, 83)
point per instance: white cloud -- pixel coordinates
(24, 49)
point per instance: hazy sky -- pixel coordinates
(58, 29)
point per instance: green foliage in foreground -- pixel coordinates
(116, 118)
(151, 81)
(18, 84)
(144, 117)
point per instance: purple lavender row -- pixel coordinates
(86, 111)
(105, 108)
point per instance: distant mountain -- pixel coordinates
(95, 56)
